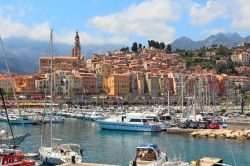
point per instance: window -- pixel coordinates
(135, 120)
(9, 160)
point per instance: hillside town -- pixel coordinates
(147, 74)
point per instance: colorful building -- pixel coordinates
(118, 84)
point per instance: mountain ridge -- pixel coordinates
(23, 53)
(226, 39)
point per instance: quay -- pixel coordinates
(86, 164)
(176, 130)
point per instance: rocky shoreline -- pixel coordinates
(222, 133)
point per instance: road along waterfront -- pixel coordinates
(118, 147)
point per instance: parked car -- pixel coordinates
(202, 124)
(213, 125)
(185, 124)
(193, 124)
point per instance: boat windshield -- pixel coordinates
(135, 120)
(75, 147)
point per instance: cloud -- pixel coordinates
(147, 19)
(211, 10)
(213, 31)
(241, 17)
(86, 38)
(11, 26)
(236, 11)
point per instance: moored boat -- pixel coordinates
(149, 155)
(11, 157)
(128, 123)
(59, 154)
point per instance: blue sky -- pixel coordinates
(123, 21)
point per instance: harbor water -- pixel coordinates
(119, 147)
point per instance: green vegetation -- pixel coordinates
(208, 58)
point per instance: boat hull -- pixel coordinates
(128, 126)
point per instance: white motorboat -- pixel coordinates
(129, 122)
(95, 116)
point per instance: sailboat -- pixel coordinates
(8, 154)
(4, 138)
(58, 153)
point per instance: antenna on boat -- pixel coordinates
(7, 116)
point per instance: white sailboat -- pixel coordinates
(58, 153)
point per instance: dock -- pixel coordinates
(86, 164)
(176, 130)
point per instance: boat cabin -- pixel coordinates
(147, 152)
(14, 157)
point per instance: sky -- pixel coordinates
(122, 21)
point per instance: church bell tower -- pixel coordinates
(76, 51)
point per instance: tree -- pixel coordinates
(162, 46)
(169, 48)
(222, 50)
(134, 47)
(140, 46)
(9, 93)
(125, 49)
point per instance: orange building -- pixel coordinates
(24, 83)
(87, 82)
(75, 61)
(118, 84)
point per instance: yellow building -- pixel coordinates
(105, 69)
(118, 84)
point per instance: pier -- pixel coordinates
(176, 130)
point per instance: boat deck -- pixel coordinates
(209, 161)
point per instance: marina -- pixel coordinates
(118, 147)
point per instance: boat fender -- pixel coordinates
(81, 151)
(73, 159)
(134, 163)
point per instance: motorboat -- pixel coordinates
(149, 155)
(129, 122)
(95, 116)
(12, 157)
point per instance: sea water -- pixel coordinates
(119, 147)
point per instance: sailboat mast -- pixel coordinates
(11, 82)
(51, 83)
(182, 96)
(7, 116)
(168, 104)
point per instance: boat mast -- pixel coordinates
(182, 96)
(7, 116)
(11, 82)
(168, 104)
(51, 83)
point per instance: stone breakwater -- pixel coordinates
(222, 133)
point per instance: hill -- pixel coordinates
(226, 39)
